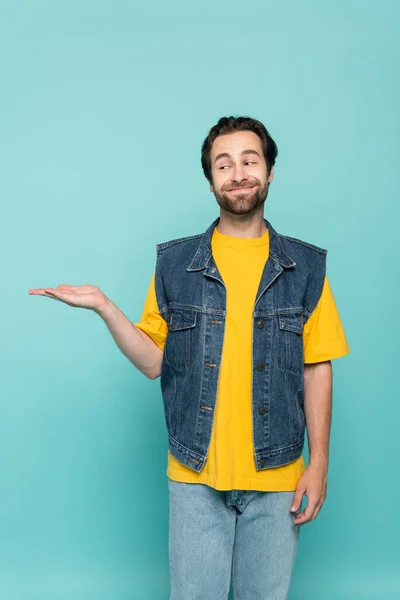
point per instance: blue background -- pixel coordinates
(103, 109)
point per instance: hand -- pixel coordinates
(313, 483)
(83, 296)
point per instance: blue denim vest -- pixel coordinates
(191, 297)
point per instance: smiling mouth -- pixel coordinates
(250, 187)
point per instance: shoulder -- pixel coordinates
(305, 254)
(190, 240)
(300, 245)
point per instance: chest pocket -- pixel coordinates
(290, 342)
(179, 342)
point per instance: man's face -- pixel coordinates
(239, 172)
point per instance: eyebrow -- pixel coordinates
(226, 155)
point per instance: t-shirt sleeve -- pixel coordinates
(323, 335)
(151, 322)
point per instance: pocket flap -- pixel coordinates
(291, 323)
(182, 319)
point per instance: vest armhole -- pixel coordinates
(319, 274)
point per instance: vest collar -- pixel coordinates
(204, 251)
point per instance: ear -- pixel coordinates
(271, 175)
(211, 188)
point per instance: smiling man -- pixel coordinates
(241, 325)
(239, 198)
(248, 326)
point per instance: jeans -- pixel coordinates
(245, 535)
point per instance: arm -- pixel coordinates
(136, 345)
(324, 340)
(318, 412)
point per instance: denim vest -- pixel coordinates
(191, 297)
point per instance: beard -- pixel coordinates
(242, 204)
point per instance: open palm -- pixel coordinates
(83, 296)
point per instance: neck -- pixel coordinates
(244, 226)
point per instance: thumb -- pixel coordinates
(297, 499)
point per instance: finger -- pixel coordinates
(51, 297)
(302, 518)
(297, 499)
(316, 512)
(56, 293)
(318, 509)
(40, 292)
(307, 514)
(300, 515)
(36, 291)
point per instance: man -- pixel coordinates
(241, 324)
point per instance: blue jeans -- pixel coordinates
(215, 535)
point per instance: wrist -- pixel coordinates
(103, 306)
(319, 462)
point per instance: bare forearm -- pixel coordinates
(138, 347)
(318, 410)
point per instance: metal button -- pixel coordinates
(262, 462)
(263, 410)
(276, 267)
(260, 324)
(213, 270)
(260, 366)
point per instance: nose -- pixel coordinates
(239, 173)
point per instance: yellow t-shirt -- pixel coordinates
(230, 461)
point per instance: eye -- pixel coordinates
(223, 167)
(249, 162)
